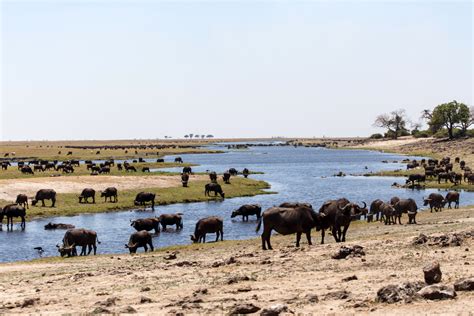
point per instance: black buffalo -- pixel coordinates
(246, 172)
(144, 197)
(208, 225)
(295, 204)
(452, 197)
(51, 226)
(171, 219)
(10, 211)
(78, 237)
(110, 192)
(22, 199)
(375, 210)
(146, 224)
(140, 239)
(44, 194)
(287, 221)
(213, 187)
(436, 201)
(185, 179)
(213, 176)
(226, 177)
(86, 194)
(408, 206)
(247, 210)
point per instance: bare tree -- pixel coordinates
(394, 122)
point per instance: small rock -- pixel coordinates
(145, 289)
(100, 310)
(231, 260)
(349, 251)
(171, 256)
(337, 295)
(349, 278)
(312, 298)
(432, 273)
(108, 302)
(144, 300)
(464, 284)
(437, 292)
(247, 308)
(200, 291)
(29, 302)
(128, 310)
(275, 310)
(394, 293)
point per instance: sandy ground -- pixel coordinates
(395, 143)
(214, 278)
(9, 188)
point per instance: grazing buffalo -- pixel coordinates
(462, 164)
(44, 194)
(406, 206)
(51, 226)
(375, 210)
(74, 162)
(49, 166)
(22, 199)
(470, 178)
(171, 219)
(104, 170)
(140, 239)
(10, 211)
(95, 168)
(456, 178)
(187, 170)
(213, 176)
(38, 168)
(78, 237)
(233, 172)
(208, 225)
(213, 187)
(337, 214)
(145, 169)
(246, 172)
(294, 205)
(5, 165)
(444, 175)
(143, 197)
(226, 177)
(68, 169)
(247, 210)
(130, 168)
(178, 159)
(448, 167)
(416, 177)
(160, 160)
(184, 179)
(86, 194)
(452, 197)
(436, 201)
(110, 192)
(146, 224)
(287, 221)
(26, 170)
(119, 167)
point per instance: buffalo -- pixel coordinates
(145, 169)
(233, 172)
(26, 170)
(226, 177)
(78, 237)
(416, 177)
(287, 221)
(86, 194)
(22, 199)
(295, 204)
(436, 201)
(247, 210)
(110, 192)
(140, 239)
(388, 212)
(185, 179)
(452, 197)
(375, 210)
(213, 176)
(408, 206)
(143, 197)
(104, 170)
(44, 194)
(246, 172)
(146, 224)
(10, 211)
(160, 160)
(171, 219)
(187, 170)
(213, 187)
(337, 214)
(208, 225)
(51, 226)
(178, 160)
(130, 168)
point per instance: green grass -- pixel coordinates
(13, 172)
(68, 205)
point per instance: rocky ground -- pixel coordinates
(237, 276)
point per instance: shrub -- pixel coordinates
(376, 136)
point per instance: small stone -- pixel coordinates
(312, 298)
(100, 310)
(128, 310)
(145, 289)
(275, 310)
(464, 284)
(432, 273)
(247, 308)
(144, 300)
(337, 295)
(349, 278)
(437, 292)
(29, 302)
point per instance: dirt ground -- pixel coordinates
(215, 277)
(9, 188)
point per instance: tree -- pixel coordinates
(210, 136)
(450, 115)
(394, 122)
(186, 136)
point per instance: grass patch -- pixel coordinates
(67, 203)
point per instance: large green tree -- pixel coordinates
(450, 115)
(395, 123)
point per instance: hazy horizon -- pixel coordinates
(126, 70)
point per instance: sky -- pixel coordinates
(146, 69)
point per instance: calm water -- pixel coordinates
(297, 174)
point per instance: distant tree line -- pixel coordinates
(191, 136)
(449, 120)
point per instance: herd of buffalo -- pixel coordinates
(287, 218)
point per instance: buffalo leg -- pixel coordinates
(145, 247)
(151, 246)
(153, 205)
(23, 223)
(322, 236)
(203, 238)
(95, 249)
(308, 237)
(222, 235)
(42, 203)
(335, 234)
(54, 202)
(298, 238)
(344, 233)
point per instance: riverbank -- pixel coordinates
(214, 278)
(168, 190)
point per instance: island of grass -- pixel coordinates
(67, 204)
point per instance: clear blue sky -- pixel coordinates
(121, 69)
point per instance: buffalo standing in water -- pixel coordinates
(78, 237)
(146, 224)
(213, 187)
(171, 219)
(287, 221)
(140, 239)
(44, 194)
(208, 225)
(51, 226)
(247, 210)
(10, 211)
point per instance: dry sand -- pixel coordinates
(9, 188)
(213, 278)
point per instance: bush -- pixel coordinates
(421, 134)
(376, 136)
(470, 133)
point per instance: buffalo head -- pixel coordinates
(33, 202)
(132, 247)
